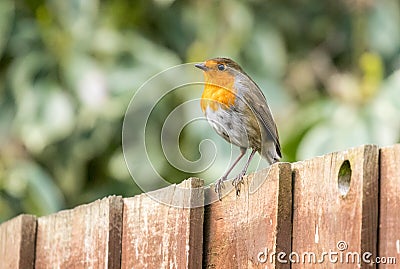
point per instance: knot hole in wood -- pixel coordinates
(344, 178)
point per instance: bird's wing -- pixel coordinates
(256, 100)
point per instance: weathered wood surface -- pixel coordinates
(88, 236)
(324, 219)
(332, 203)
(244, 231)
(157, 235)
(17, 242)
(389, 217)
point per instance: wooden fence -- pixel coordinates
(341, 210)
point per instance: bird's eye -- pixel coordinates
(221, 67)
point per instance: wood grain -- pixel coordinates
(323, 217)
(88, 236)
(17, 242)
(298, 209)
(389, 218)
(170, 235)
(245, 231)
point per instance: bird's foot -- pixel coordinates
(237, 181)
(219, 185)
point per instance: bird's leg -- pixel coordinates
(219, 185)
(239, 179)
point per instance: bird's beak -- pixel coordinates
(201, 66)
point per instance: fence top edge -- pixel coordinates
(394, 146)
(109, 199)
(352, 149)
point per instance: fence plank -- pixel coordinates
(325, 218)
(389, 220)
(157, 235)
(88, 236)
(17, 242)
(245, 231)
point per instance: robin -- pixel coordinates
(237, 110)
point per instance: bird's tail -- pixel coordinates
(271, 152)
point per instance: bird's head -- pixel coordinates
(220, 70)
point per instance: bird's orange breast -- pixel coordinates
(218, 92)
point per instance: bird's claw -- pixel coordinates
(237, 181)
(219, 185)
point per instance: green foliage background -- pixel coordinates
(330, 70)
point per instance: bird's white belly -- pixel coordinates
(229, 125)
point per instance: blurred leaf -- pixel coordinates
(164, 3)
(372, 67)
(6, 18)
(384, 112)
(384, 27)
(117, 166)
(6, 121)
(267, 52)
(28, 181)
(45, 115)
(76, 16)
(345, 129)
(375, 123)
